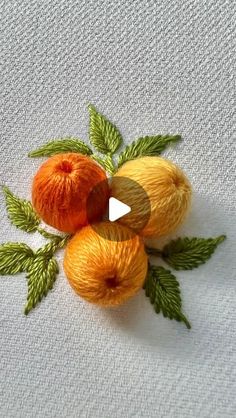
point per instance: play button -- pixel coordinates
(127, 203)
(117, 209)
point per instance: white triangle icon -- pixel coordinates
(117, 209)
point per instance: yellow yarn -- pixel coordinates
(167, 187)
(106, 271)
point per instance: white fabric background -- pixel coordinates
(152, 67)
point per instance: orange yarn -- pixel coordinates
(105, 271)
(168, 190)
(61, 187)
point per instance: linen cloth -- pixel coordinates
(151, 67)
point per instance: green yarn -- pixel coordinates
(162, 288)
(161, 285)
(15, 257)
(59, 146)
(146, 146)
(41, 266)
(187, 253)
(41, 277)
(99, 160)
(107, 163)
(103, 134)
(50, 248)
(43, 271)
(48, 235)
(106, 139)
(21, 212)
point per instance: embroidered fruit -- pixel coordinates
(61, 188)
(168, 190)
(105, 264)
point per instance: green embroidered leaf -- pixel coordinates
(15, 257)
(59, 146)
(107, 163)
(21, 212)
(51, 247)
(163, 290)
(41, 277)
(146, 146)
(103, 134)
(99, 160)
(188, 253)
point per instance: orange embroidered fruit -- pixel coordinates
(106, 271)
(61, 188)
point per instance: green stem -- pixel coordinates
(184, 319)
(108, 163)
(99, 160)
(47, 235)
(153, 251)
(56, 244)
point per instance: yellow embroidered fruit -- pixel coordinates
(168, 190)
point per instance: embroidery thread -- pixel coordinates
(105, 263)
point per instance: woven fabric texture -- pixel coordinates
(152, 67)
